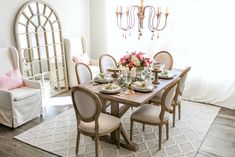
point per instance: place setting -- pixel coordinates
(110, 88)
(166, 74)
(143, 86)
(103, 78)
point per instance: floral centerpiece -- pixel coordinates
(136, 60)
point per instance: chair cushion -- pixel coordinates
(158, 97)
(11, 80)
(106, 122)
(23, 93)
(149, 113)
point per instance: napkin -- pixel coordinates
(140, 83)
(100, 76)
(110, 86)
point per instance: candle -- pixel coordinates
(124, 71)
(121, 9)
(133, 72)
(117, 9)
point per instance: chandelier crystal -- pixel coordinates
(156, 22)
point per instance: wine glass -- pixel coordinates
(128, 81)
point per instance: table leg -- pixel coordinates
(127, 142)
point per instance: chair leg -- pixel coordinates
(97, 146)
(160, 137)
(78, 140)
(167, 130)
(131, 130)
(173, 116)
(118, 132)
(143, 127)
(179, 111)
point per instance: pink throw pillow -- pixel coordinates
(11, 80)
(82, 58)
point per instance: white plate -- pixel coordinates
(142, 89)
(102, 80)
(164, 76)
(115, 90)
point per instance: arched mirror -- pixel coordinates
(40, 43)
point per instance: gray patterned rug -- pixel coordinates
(58, 135)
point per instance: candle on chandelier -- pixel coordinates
(121, 9)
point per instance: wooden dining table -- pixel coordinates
(131, 99)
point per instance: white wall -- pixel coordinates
(98, 27)
(74, 16)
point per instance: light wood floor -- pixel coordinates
(220, 140)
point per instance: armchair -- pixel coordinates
(75, 50)
(21, 104)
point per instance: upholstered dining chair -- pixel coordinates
(90, 120)
(83, 73)
(156, 115)
(106, 61)
(165, 58)
(178, 96)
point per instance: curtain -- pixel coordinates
(199, 34)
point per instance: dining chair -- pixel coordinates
(83, 73)
(165, 58)
(106, 61)
(90, 120)
(178, 96)
(156, 115)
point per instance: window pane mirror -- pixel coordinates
(40, 43)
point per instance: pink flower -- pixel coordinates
(128, 56)
(141, 58)
(123, 61)
(138, 55)
(130, 65)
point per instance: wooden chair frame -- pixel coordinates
(95, 117)
(106, 55)
(170, 56)
(178, 93)
(163, 110)
(76, 66)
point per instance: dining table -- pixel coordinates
(120, 104)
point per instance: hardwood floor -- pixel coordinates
(10, 147)
(220, 140)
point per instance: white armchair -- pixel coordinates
(76, 47)
(18, 105)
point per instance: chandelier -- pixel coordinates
(155, 22)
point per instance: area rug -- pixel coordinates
(58, 135)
